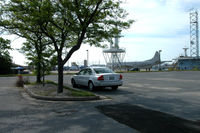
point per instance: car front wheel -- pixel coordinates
(74, 83)
(91, 86)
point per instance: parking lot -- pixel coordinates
(176, 93)
(173, 93)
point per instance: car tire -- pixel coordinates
(91, 86)
(114, 87)
(73, 83)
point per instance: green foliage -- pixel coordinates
(196, 68)
(65, 23)
(39, 54)
(6, 64)
(5, 58)
(4, 47)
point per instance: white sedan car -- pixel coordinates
(97, 77)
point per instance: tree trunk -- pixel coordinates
(38, 73)
(38, 67)
(60, 76)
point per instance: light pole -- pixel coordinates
(160, 60)
(87, 57)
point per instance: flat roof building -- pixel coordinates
(188, 63)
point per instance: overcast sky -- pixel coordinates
(160, 25)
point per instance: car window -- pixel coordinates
(85, 72)
(81, 72)
(103, 70)
(89, 71)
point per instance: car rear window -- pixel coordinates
(102, 70)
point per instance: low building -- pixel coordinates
(188, 63)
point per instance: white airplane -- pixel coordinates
(147, 64)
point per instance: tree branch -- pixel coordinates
(94, 12)
(76, 47)
(81, 38)
(78, 13)
(43, 28)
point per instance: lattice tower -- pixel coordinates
(194, 34)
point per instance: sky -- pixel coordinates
(159, 25)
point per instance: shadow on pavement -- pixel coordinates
(149, 121)
(40, 120)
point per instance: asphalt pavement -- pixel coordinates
(173, 93)
(176, 92)
(21, 114)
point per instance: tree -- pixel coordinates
(41, 56)
(68, 23)
(36, 48)
(5, 58)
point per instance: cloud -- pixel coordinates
(157, 18)
(160, 24)
(142, 48)
(183, 5)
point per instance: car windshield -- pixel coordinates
(102, 70)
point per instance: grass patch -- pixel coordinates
(8, 75)
(33, 83)
(50, 82)
(14, 75)
(68, 73)
(79, 93)
(45, 93)
(74, 92)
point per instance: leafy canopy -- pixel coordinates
(5, 58)
(67, 22)
(4, 47)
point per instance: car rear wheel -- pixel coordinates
(114, 87)
(74, 83)
(91, 86)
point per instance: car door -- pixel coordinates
(86, 77)
(78, 77)
(82, 77)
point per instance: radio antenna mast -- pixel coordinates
(194, 34)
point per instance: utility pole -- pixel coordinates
(87, 57)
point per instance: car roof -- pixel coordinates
(96, 67)
(93, 67)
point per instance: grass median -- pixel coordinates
(50, 89)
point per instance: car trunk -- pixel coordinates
(110, 76)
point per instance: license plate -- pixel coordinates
(111, 78)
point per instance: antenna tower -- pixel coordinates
(194, 34)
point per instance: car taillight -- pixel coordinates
(120, 77)
(100, 77)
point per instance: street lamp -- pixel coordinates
(87, 57)
(160, 59)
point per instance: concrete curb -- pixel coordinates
(69, 98)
